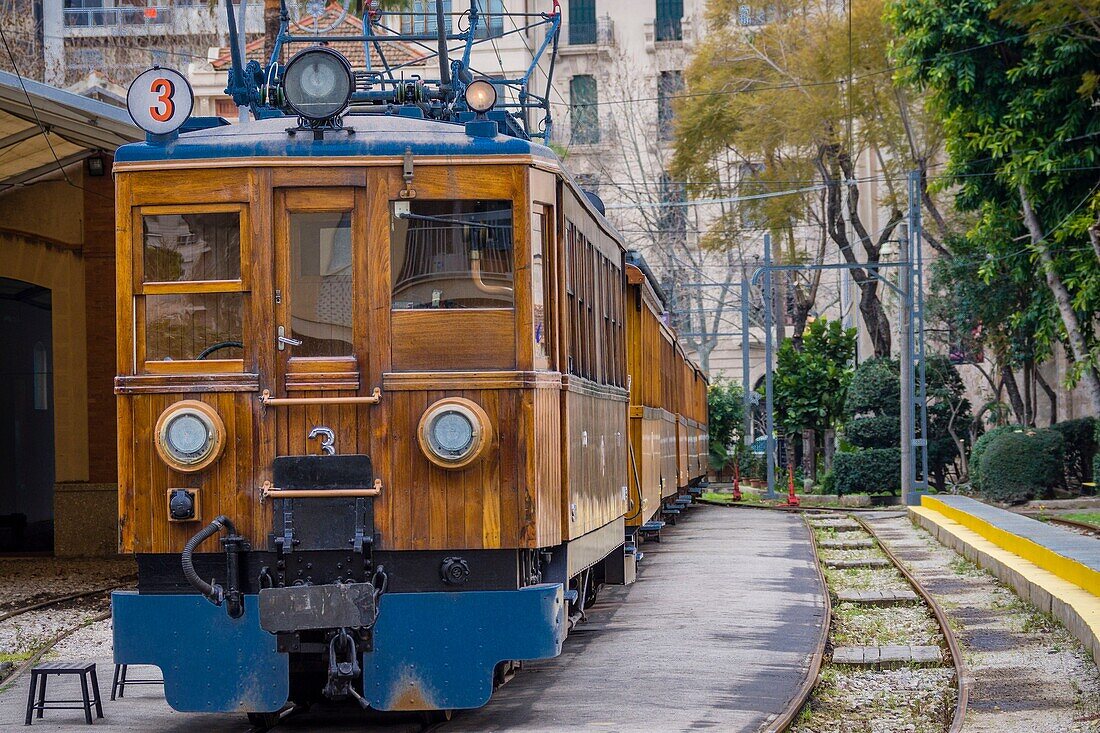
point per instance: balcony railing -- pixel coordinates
(117, 17)
(598, 33)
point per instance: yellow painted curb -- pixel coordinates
(1076, 608)
(1066, 568)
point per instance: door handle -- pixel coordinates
(284, 341)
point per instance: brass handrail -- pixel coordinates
(268, 401)
(269, 491)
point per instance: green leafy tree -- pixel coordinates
(810, 384)
(1017, 97)
(726, 413)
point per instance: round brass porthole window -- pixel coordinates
(454, 432)
(189, 435)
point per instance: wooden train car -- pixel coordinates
(668, 434)
(403, 370)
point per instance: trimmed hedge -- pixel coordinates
(880, 431)
(979, 448)
(1020, 466)
(1080, 450)
(875, 388)
(870, 470)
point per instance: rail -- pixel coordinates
(962, 676)
(268, 401)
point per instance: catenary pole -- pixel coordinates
(746, 377)
(769, 406)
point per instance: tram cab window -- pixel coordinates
(192, 291)
(451, 254)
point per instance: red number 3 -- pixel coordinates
(164, 89)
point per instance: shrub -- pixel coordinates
(979, 448)
(875, 388)
(869, 471)
(1080, 450)
(1019, 466)
(880, 431)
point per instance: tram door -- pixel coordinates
(320, 322)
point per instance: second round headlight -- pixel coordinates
(454, 432)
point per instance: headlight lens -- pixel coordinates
(318, 83)
(454, 432)
(481, 96)
(190, 435)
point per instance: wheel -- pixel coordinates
(435, 717)
(264, 721)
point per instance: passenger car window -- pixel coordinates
(451, 254)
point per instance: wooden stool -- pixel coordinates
(41, 673)
(118, 685)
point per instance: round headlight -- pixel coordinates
(454, 432)
(189, 435)
(481, 96)
(318, 83)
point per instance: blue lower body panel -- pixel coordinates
(210, 662)
(431, 650)
(438, 651)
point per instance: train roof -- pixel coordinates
(362, 135)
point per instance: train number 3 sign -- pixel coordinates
(160, 100)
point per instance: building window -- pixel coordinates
(672, 219)
(669, 86)
(747, 15)
(670, 16)
(421, 18)
(490, 24)
(584, 110)
(582, 22)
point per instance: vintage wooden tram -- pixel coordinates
(405, 372)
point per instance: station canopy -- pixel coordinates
(35, 117)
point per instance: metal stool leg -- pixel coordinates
(114, 682)
(122, 682)
(42, 680)
(87, 700)
(98, 699)
(30, 697)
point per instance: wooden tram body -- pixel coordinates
(319, 304)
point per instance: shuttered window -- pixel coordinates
(669, 25)
(584, 110)
(582, 22)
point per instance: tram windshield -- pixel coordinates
(192, 287)
(452, 254)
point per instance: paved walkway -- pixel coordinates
(716, 634)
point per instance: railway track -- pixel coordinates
(857, 532)
(1089, 530)
(96, 600)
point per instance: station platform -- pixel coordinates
(718, 632)
(1056, 570)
